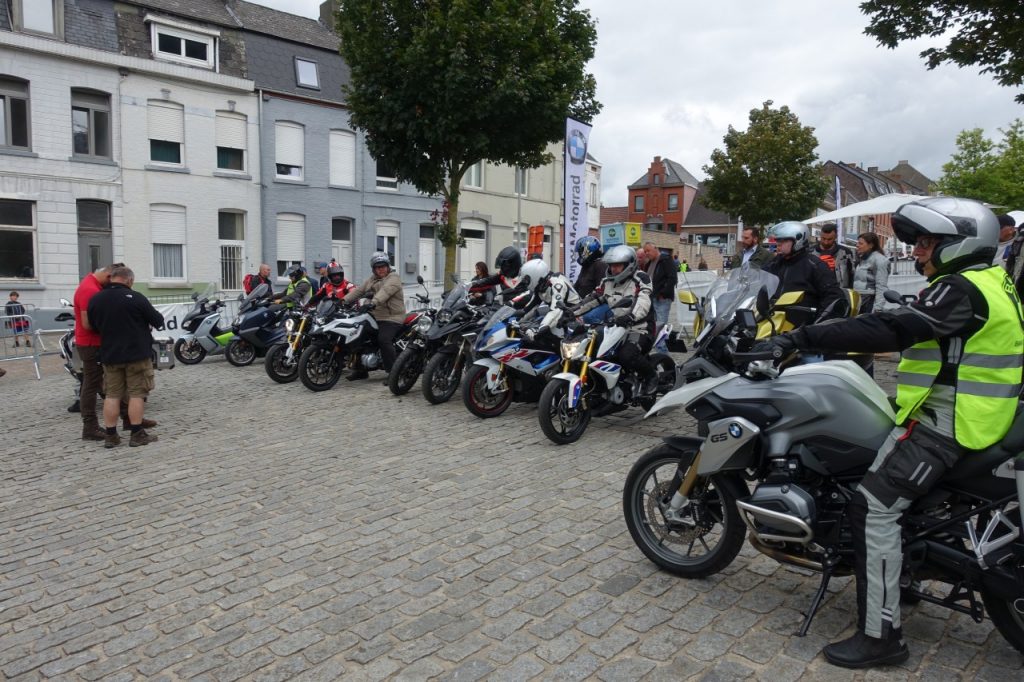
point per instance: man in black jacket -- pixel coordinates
(663, 285)
(798, 269)
(124, 318)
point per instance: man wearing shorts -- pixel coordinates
(124, 318)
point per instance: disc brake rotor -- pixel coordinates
(674, 534)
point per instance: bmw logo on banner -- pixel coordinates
(577, 146)
(575, 226)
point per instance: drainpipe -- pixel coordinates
(263, 193)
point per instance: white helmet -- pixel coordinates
(968, 232)
(621, 254)
(536, 270)
(792, 229)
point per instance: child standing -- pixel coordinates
(20, 322)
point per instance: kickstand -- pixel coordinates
(819, 596)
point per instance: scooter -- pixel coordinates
(258, 326)
(204, 335)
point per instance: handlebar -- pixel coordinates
(774, 354)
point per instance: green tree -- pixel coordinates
(439, 85)
(987, 171)
(767, 173)
(985, 33)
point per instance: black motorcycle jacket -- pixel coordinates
(806, 272)
(590, 276)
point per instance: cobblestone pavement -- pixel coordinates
(272, 534)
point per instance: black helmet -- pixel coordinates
(968, 232)
(296, 272)
(336, 274)
(509, 261)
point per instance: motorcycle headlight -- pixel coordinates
(572, 349)
(289, 324)
(423, 325)
(319, 321)
(444, 316)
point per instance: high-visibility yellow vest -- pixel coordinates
(988, 377)
(291, 288)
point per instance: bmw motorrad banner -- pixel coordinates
(577, 136)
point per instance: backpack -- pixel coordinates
(247, 283)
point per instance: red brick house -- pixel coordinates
(661, 197)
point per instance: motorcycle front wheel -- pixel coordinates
(560, 423)
(710, 533)
(406, 370)
(479, 399)
(189, 352)
(277, 365)
(319, 367)
(240, 353)
(441, 378)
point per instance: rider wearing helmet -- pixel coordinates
(508, 264)
(624, 280)
(384, 291)
(798, 269)
(592, 268)
(957, 389)
(335, 287)
(299, 288)
(545, 286)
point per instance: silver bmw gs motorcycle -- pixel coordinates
(777, 457)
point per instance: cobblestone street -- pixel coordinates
(273, 533)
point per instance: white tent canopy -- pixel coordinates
(887, 203)
(1018, 216)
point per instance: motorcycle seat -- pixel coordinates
(982, 463)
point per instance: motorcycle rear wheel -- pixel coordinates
(240, 353)
(189, 352)
(277, 366)
(716, 527)
(480, 400)
(319, 368)
(1006, 618)
(406, 370)
(441, 378)
(559, 423)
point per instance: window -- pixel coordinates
(93, 215)
(39, 16)
(341, 244)
(193, 47)
(306, 73)
(166, 131)
(231, 233)
(341, 230)
(657, 179)
(638, 203)
(90, 123)
(17, 239)
(673, 202)
(592, 194)
(290, 140)
(231, 140)
(291, 241)
(474, 176)
(386, 178)
(672, 227)
(522, 185)
(14, 113)
(167, 228)
(387, 238)
(343, 158)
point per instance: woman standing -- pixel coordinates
(871, 278)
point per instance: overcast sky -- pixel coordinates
(674, 74)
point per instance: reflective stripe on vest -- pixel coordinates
(291, 288)
(989, 373)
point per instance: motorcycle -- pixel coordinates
(257, 327)
(450, 338)
(804, 438)
(282, 360)
(69, 353)
(204, 335)
(591, 384)
(410, 362)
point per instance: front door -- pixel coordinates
(427, 258)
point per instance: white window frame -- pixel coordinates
(474, 177)
(183, 244)
(668, 202)
(17, 7)
(232, 243)
(388, 231)
(523, 173)
(91, 108)
(181, 143)
(218, 141)
(593, 195)
(294, 218)
(158, 25)
(385, 182)
(33, 229)
(7, 94)
(341, 172)
(298, 73)
(302, 157)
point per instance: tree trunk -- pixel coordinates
(452, 245)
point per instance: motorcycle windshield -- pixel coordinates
(326, 307)
(727, 294)
(455, 297)
(253, 296)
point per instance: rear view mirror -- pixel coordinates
(763, 303)
(65, 302)
(893, 296)
(686, 296)
(455, 278)
(419, 279)
(195, 295)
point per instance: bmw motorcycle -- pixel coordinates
(282, 359)
(451, 339)
(258, 326)
(69, 353)
(203, 334)
(777, 457)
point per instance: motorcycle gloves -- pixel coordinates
(786, 344)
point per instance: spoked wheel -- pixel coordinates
(278, 366)
(240, 353)
(479, 399)
(708, 534)
(559, 422)
(319, 368)
(189, 351)
(406, 370)
(441, 378)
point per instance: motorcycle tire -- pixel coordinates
(406, 370)
(478, 399)
(560, 424)
(240, 353)
(1007, 619)
(717, 527)
(441, 378)
(189, 352)
(319, 368)
(277, 366)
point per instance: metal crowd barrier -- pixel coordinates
(21, 330)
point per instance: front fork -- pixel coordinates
(293, 342)
(683, 483)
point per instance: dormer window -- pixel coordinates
(306, 74)
(174, 41)
(45, 17)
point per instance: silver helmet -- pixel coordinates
(379, 258)
(792, 229)
(968, 232)
(621, 254)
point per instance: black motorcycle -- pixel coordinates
(409, 363)
(450, 342)
(282, 360)
(258, 326)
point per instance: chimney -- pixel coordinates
(657, 159)
(872, 169)
(903, 162)
(328, 10)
